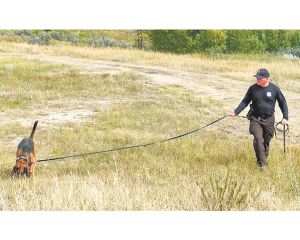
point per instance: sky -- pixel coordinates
(154, 14)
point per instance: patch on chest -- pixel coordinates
(269, 94)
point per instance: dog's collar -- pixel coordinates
(23, 158)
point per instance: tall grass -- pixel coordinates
(228, 194)
(190, 173)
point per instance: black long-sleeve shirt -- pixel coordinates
(263, 100)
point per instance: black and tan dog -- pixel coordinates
(26, 156)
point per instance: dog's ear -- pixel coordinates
(14, 171)
(27, 172)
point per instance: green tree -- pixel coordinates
(279, 39)
(210, 41)
(176, 41)
(295, 39)
(244, 41)
(231, 41)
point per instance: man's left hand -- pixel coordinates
(285, 122)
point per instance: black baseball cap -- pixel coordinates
(262, 73)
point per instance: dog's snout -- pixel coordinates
(15, 172)
(18, 171)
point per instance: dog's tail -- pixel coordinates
(33, 130)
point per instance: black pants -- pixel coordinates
(263, 132)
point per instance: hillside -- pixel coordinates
(87, 100)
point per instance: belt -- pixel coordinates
(263, 116)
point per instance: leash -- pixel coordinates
(284, 131)
(132, 146)
(284, 138)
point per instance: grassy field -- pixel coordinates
(284, 72)
(210, 170)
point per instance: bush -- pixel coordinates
(42, 38)
(59, 36)
(23, 33)
(108, 42)
(221, 194)
(290, 52)
(296, 52)
(72, 39)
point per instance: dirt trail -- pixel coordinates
(207, 86)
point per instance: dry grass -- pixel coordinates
(240, 67)
(166, 176)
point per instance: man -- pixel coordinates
(263, 95)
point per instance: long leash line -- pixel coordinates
(132, 146)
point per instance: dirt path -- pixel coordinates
(207, 86)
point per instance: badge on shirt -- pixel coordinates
(269, 94)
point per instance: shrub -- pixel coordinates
(296, 52)
(221, 194)
(42, 38)
(290, 52)
(109, 42)
(72, 39)
(23, 33)
(59, 36)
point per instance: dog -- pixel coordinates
(25, 156)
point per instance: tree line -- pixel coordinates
(174, 41)
(225, 41)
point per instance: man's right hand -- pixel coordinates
(231, 114)
(285, 122)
